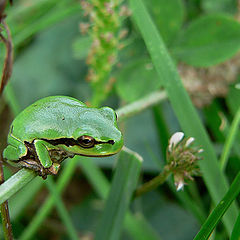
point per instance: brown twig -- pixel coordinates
(6, 74)
(8, 62)
(3, 4)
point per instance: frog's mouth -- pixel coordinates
(107, 155)
(72, 142)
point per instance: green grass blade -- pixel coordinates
(236, 230)
(61, 209)
(124, 182)
(230, 140)
(190, 122)
(219, 210)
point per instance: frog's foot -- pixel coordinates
(53, 170)
(33, 165)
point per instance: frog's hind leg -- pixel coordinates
(11, 153)
(15, 150)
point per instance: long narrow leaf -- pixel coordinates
(236, 229)
(183, 108)
(123, 185)
(230, 140)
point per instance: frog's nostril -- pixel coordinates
(111, 142)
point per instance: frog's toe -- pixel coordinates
(11, 153)
(53, 170)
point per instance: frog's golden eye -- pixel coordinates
(86, 141)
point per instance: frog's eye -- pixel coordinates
(86, 141)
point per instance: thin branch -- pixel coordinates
(8, 62)
(152, 184)
(14, 183)
(140, 105)
(6, 73)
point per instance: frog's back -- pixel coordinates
(50, 117)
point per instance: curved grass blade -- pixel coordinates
(124, 182)
(230, 140)
(236, 230)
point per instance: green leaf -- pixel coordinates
(168, 16)
(124, 182)
(136, 80)
(216, 6)
(206, 42)
(188, 118)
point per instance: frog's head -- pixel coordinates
(98, 134)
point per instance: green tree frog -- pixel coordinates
(57, 127)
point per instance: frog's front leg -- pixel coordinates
(42, 152)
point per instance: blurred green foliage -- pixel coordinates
(51, 58)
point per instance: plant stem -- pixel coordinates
(152, 184)
(7, 227)
(15, 183)
(140, 105)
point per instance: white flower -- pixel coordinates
(189, 141)
(175, 139)
(200, 150)
(179, 185)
